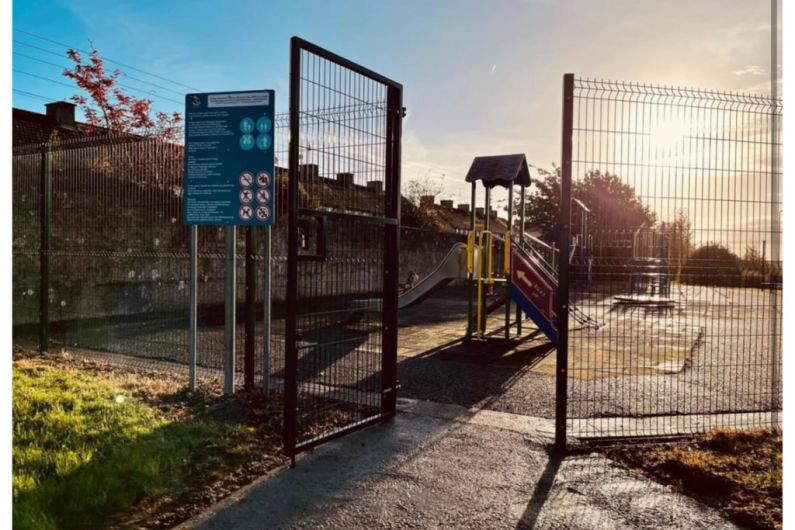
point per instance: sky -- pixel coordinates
(479, 78)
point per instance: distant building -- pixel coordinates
(30, 127)
(457, 218)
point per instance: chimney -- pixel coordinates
(446, 204)
(426, 201)
(308, 171)
(464, 207)
(375, 186)
(479, 211)
(63, 112)
(345, 180)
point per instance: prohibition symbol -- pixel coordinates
(246, 179)
(263, 213)
(246, 213)
(246, 195)
(263, 178)
(263, 196)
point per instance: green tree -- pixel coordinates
(712, 264)
(612, 203)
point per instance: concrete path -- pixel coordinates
(444, 466)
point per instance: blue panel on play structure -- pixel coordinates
(546, 327)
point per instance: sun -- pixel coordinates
(667, 138)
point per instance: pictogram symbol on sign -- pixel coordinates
(264, 124)
(246, 179)
(263, 213)
(246, 196)
(247, 125)
(263, 178)
(246, 213)
(263, 196)
(264, 141)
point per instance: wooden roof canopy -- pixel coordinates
(500, 170)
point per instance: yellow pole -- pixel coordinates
(506, 258)
(470, 251)
(478, 328)
(490, 265)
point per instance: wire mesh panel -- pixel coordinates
(341, 319)
(26, 234)
(678, 260)
(118, 258)
(119, 251)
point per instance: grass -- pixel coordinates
(737, 472)
(86, 449)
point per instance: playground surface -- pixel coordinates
(438, 466)
(680, 360)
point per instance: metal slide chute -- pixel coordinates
(452, 267)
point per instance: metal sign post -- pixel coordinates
(266, 322)
(193, 308)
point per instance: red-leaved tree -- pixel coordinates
(108, 109)
(137, 148)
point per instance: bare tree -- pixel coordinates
(418, 187)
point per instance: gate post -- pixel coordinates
(391, 252)
(290, 353)
(562, 361)
(45, 206)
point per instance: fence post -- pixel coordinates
(290, 423)
(389, 382)
(229, 304)
(192, 325)
(775, 235)
(45, 206)
(251, 316)
(562, 361)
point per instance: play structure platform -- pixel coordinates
(509, 270)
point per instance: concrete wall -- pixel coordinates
(126, 279)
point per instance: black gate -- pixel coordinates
(344, 216)
(671, 213)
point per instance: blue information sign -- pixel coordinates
(229, 171)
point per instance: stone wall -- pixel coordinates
(86, 283)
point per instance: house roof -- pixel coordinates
(454, 219)
(500, 170)
(34, 128)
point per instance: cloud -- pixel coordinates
(752, 70)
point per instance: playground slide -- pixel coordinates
(452, 267)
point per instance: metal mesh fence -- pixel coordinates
(119, 262)
(678, 261)
(26, 231)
